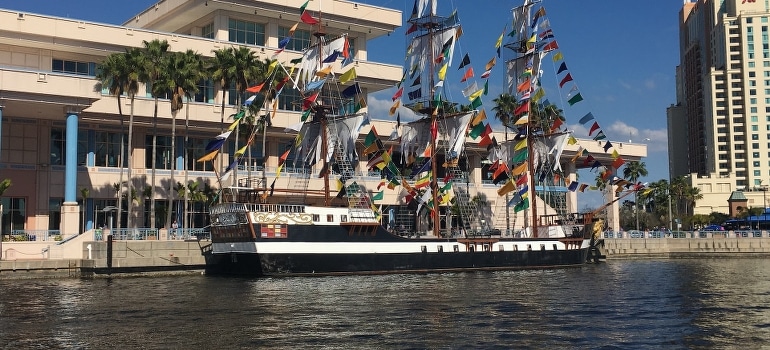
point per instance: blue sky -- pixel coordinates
(621, 54)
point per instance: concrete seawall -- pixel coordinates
(128, 257)
(711, 247)
(185, 257)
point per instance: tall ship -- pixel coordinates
(256, 229)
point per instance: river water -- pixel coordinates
(688, 304)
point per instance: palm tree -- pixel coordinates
(154, 73)
(184, 70)
(632, 172)
(221, 69)
(119, 73)
(504, 107)
(246, 68)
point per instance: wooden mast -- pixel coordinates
(321, 113)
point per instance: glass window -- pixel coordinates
(14, 213)
(58, 147)
(299, 41)
(54, 213)
(107, 149)
(196, 149)
(73, 67)
(208, 31)
(245, 32)
(290, 99)
(163, 154)
(205, 91)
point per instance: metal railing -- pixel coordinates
(33, 236)
(684, 234)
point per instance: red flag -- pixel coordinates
(593, 128)
(434, 129)
(523, 109)
(501, 169)
(521, 180)
(468, 74)
(494, 165)
(346, 49)
(447, 177)
(256, 88)
(309, 101)
(556, 124)
(566, 79)
(486, 74)
(551, 46)
(307, 18)
(412, 29)
(487, 131)
(524, 86)
(283, 157)
(398, 94)
(485, 141)
(618, 162)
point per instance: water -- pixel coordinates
(692, 304)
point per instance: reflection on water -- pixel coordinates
(696, 304)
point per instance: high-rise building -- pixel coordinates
(719, 128)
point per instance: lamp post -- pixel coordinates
(670, 218)
(109, 209)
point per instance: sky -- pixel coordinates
(621, 54)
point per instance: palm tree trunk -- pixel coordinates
(120, 165)
(186, 154)
(130, 187)
(154, 166)
(171, 191)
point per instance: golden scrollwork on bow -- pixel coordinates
(283, 218)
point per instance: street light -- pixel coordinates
(109, 209)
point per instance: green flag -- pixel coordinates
(520, 157)
(378, 196)
(521, 206)
(302, 8)
(305, 114)
(486, 87)
(476, 103)
(575, 99)
(477, 130)
(370, 137)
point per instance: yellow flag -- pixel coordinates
(519, 169)
(499, 41)
(271, 68)
(234, 124)
(298, 140)
(615, 154)
(323, 72)
(241, 151)
(348, 76)
(209, 156)
(395, 107)
(538, 94)
(521, 144)
(491, 63)
(522, 120)
(572, 140)
(558, 56)
(475, 95)
(508, 187)
(481, 115)
(442, 72)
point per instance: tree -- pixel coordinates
(246, 68)
(185, 70)
(154, 73)
(632, 172)
(221, 68)
(119, 73)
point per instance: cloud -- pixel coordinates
(655, 139)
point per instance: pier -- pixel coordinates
(685, 244)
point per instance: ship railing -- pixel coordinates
(227, 208)
(362, 215)
(275, 208)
